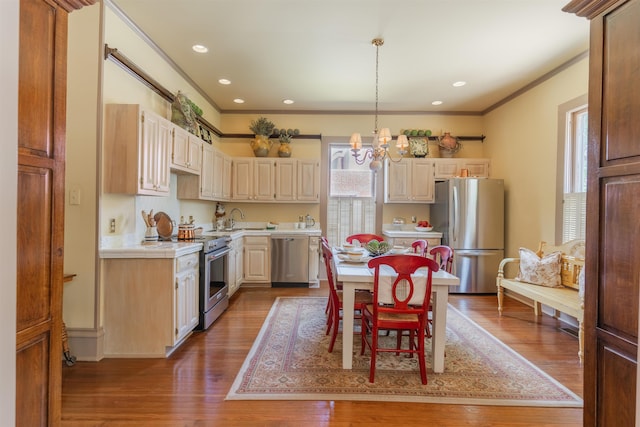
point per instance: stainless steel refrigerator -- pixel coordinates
(470, 214)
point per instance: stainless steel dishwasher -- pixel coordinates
(289, 260)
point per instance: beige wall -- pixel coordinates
(80, 222)
(523, 147)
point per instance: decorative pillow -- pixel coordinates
(540, 271)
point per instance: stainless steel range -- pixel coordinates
(213, 299)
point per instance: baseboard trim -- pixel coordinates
(86, 345)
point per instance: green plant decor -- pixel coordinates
(285, 135)
(262, 126)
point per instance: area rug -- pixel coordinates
(289, 361)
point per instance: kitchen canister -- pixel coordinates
(151, 235)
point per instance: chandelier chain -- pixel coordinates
(377, 43)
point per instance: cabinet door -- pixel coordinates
(264, 178)
(257, 266)
(163, 156)
(194, 157)
(446, 168)
(286, 180)
(179, 148)
(422, 181)
(149, 147)
(314, 258)
(226, 178)
(239, 262)
(186, 151)
(218, 173)
(477, 167)
(242, 179)
(398, 181)
(308, 188)
(207, 173)
(186, 296)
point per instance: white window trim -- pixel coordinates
(563, 109)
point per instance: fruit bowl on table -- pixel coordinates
(424, 228)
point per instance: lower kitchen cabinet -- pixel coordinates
(150, 304)
(257, 260)
(314, 259)
(234, 266)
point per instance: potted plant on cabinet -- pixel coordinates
(285, 136)
(262, 128)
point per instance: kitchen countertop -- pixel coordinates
(162, 249)
(151, 250)
(411, 233)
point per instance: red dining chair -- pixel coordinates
(420, 247)
(443, 255)
(335, 297)
(364, 238)
(400, 303)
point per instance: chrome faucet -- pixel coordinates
(233, 222)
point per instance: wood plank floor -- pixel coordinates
(188, 389)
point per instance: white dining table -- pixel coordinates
(358, 276)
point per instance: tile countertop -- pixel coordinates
(150, 250)
(175, 249)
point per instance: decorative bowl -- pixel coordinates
(424, 228)
(376, 248)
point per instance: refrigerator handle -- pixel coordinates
(454, 223)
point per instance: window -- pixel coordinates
(351, 206)
(574, 206)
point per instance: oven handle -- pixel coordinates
(217, 254)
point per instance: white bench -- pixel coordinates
(566, 299)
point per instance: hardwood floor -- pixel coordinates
(188, 389)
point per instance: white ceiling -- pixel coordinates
(319, 52)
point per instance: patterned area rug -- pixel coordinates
(289, 361)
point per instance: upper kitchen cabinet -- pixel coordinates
(308, 189)
(450, 168)
(186, 151)
(214, 181)
(253, 179)
(409, 181)
(137, 147)
(297, 180)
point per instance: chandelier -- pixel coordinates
(379, 149)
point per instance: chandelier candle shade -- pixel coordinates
(380, 145)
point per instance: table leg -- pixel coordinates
(348, 302)
(439, 332)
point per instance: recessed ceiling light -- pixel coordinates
(436, 103)
(288, 101)
(224, 81)
(459, 84)
(200, 48)
(239, 101)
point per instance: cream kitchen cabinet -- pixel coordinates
(221, 179)
(409, 181)
(314, 259)
(150, 304)
(450, 168)
(186, 151)
(257, 260)
(286, 180)
(186, 295)
(253, 179)
(234, 265)
(214, 181)
(137, 146)
(308, 182)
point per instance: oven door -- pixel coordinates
(213, 286)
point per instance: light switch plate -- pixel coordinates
(74, 196)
